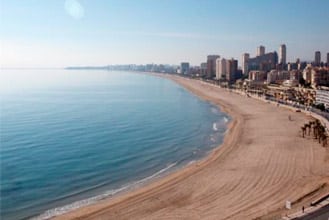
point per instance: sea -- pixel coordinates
(70, 138)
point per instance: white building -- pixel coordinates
(257, 75)
(275, 76)
(283, 54)
(220, 67)
(322, 96)
(245, 58)
(307, 74)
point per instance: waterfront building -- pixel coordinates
(317, 58)
(220, 68)
(265, 62)
(260, 51)
(257, 75)
(307, 74)
(184, 68)
(322, 96)
(319, 77)
(231, 70)
(283, 55)
(203, 69)
(245, 59)
(275, 76)
(211, 65)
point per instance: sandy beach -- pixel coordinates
(262, 162)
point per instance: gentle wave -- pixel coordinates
(95, 142)
(92, 200)
(214, 126)
(220, 123)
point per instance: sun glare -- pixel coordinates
(74, 9)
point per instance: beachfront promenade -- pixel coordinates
(311, 213)
(262, 163)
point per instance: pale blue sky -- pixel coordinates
(59, 33)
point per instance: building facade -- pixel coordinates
(245, 59)
(322, 96)
(283, 54)
(275, 76)
(317, 58)
(220, 68)
(307, 74)
(257, 75)
(319, 77)
(211, 65)
(185, 68)
(264, 62)
(231, 70)
(260, 51)
(203, 69)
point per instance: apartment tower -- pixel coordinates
(283, 54)
(317, 58)
(260, 51)
(245, 58)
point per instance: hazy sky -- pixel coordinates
(59, 33)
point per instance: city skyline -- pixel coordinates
(74, 33)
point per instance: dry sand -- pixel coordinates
(263, 162)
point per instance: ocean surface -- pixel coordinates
(73, 137)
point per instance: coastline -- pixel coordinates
(179, 195)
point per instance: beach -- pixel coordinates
(262, 163)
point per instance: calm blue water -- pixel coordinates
(70, 138)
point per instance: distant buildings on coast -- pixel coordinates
(266, 71)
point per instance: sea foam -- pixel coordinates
(92, 200)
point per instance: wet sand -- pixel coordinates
(262, 162)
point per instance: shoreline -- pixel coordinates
(135, 185)
(167, 187)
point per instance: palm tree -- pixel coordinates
(322, 132)
(323, 137)
(309, 128)
(316, 130)
(303, 130)
(310, 124)
(325, 141)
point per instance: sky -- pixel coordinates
(60, 33)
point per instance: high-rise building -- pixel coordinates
(317, 59)
(203, 69)
(327, 59)
(184, 68)
(265, 62)
(231, 70)
(220, 67)
(283, 55)
(211, 65)
(245, 59)
(260, 51)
